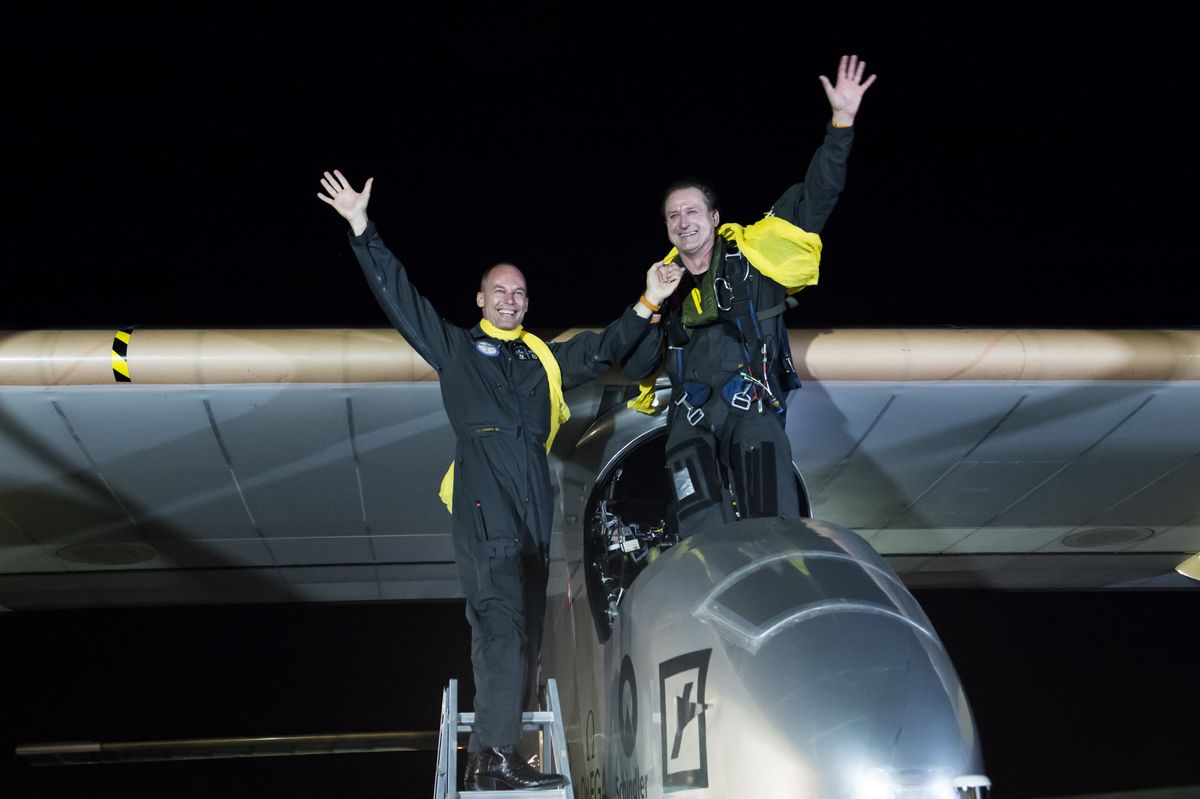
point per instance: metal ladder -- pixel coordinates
(547, 722)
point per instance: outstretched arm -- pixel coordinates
(409, 312)
(846, 95)
(351, 204)
(808, 204)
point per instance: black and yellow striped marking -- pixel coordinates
(120, 355)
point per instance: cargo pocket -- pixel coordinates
(498, 567)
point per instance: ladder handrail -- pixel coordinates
(446, 781)
(558, 738)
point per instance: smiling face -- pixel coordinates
(503, 296)
(691, 224)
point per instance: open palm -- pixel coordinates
(344, 199)
(846, 95)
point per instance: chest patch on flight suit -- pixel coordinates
(522, 352)
(487, 348)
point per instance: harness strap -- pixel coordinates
(775, 310)
(732, 294)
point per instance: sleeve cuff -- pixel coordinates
(366, 234)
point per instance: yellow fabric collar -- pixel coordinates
(789, 255)
(559, 412)
(503, 335)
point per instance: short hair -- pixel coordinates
(703, 186)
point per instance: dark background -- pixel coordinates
(1009, 170)
(1072, 692)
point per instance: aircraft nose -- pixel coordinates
(843, 696)
(833, 651)
(788, 654)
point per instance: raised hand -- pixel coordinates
(351, 204)
(661, 281)
(847, 94)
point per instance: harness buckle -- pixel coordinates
(694, 415)
(741, 400)
(716, 291)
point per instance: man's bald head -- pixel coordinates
(503, 297)
(483, 279)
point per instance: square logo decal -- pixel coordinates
(684, 748)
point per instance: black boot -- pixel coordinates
(500, 768)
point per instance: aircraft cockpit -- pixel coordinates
(628, 526)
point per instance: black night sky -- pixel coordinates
(1007, 171)
(163, 167)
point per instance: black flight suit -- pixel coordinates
(497, 399)
(743, 449)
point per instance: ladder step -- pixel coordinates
(529, 721)
(545, 793)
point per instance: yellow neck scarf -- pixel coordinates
(559, 412)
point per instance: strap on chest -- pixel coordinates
(733, 288)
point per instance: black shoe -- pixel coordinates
(500, 768)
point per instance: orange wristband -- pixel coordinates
(837, 124)
(642, 299)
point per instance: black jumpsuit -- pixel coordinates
(498, 403)
(747, 450)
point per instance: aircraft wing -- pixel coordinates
(218, 466)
